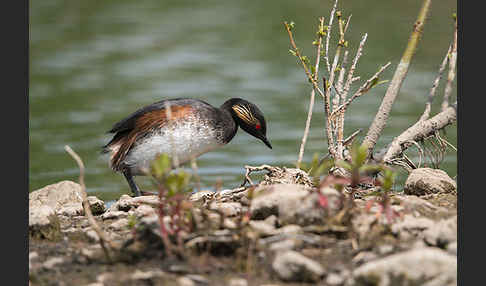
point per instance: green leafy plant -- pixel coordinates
(173, 186)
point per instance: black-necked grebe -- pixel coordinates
(195, 127)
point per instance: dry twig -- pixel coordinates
(105, 243)
(312, 99)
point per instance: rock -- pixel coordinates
(146, 275)
(228, 209)
(56, 195)
(294, 204)
(422, 266)
(112, 214)
(119, 224)
(144, 210)
(283, 175)
(43, 223)
(32, 255)
(452, 248)
(286, 244)
(272, 200)
(126, 203)
(442, 232)
(92, 235)
(198, 279)
(237, 282)
(184, 281)
(419, 206)
(201, 196)
(424, 181)
(293, 266)
(334, 279)
(411, 225)
(96, 205)
(290, 229)
(71, 209)
(262, 227)
(65, 199)
(52, 262)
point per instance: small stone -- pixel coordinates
(452, 248)
(385, 249)
(411, 225)
(201, 196)
(272, 200)
(293, 266)
(179, 269)
(92, 235)
(146, 275)
(43, 223)
(422, 266)
(228, 209)
(334, 279)
(112, 214)
(286, 244)
(262, 227)
(198, 279)
(50, 263)
(144, 210)
(96, 205)
(71, 209)
(424, 181)
(119, 224)
(237, 282)
(442, 232)
(184, 281)
(290, 229)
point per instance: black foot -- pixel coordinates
(134, 188)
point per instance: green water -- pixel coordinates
(94, 62)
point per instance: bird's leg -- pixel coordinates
(131, 182)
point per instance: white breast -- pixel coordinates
(187, 140)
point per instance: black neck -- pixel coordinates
(227, 109)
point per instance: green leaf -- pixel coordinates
(161, 165)
(359, 154)
(388, 179)
(344, 164)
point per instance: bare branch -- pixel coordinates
(312, 99)
(304, 65)
(362, 90)
(381, 116)
(417, 132)
(428, 105)
(329, 26)
(452, 68)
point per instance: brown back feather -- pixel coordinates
(144, 124)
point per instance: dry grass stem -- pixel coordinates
(87, 210)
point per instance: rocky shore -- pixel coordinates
(282, 231)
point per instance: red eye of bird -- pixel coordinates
(258, 126)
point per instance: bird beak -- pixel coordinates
(265, 140)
